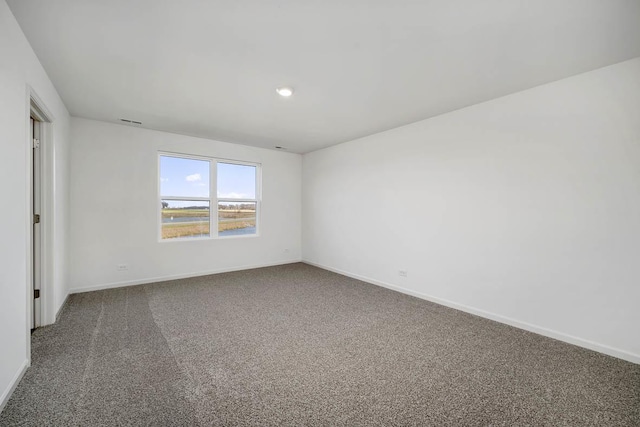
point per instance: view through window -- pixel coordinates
(186, 197)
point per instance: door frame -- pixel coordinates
(35, 107)
(36, 209)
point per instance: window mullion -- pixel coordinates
(196, 199)
(238, 200)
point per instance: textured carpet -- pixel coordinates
(296, 345)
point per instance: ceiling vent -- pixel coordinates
(133, 122)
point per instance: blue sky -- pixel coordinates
(236, 181)
(190, 178)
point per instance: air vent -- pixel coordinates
(133, 122)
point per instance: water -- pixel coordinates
(238, 232)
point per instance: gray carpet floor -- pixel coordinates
(296, 345)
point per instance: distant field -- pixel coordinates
(182, 213)
(240, 213)
(234, 224)
(185, 229)
(228, 220)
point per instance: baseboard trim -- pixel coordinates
(6, 395)
(145, 281)
(601, 348)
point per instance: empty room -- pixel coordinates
(320, 213)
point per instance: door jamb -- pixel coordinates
(36, 107)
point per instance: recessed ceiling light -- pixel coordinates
(285, 91)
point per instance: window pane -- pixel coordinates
(236, 218)
(185, 218)
(184, 177)
(236, 181)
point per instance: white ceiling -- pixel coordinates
(210, 68)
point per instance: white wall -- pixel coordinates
(114, 202)
(525, 209)
(20, 69)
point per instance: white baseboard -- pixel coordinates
(601, 348)
(144, 281)
(4, 398)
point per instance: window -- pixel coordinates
(237, 203)
(186, 197)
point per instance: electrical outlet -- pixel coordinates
(402, 273)
(122, 267)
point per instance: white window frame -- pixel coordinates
(213, 197)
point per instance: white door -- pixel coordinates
(36, 203)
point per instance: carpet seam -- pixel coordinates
(90, 361)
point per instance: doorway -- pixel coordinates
(36, 212)
(40, 214)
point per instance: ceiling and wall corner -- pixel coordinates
(210, 69)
